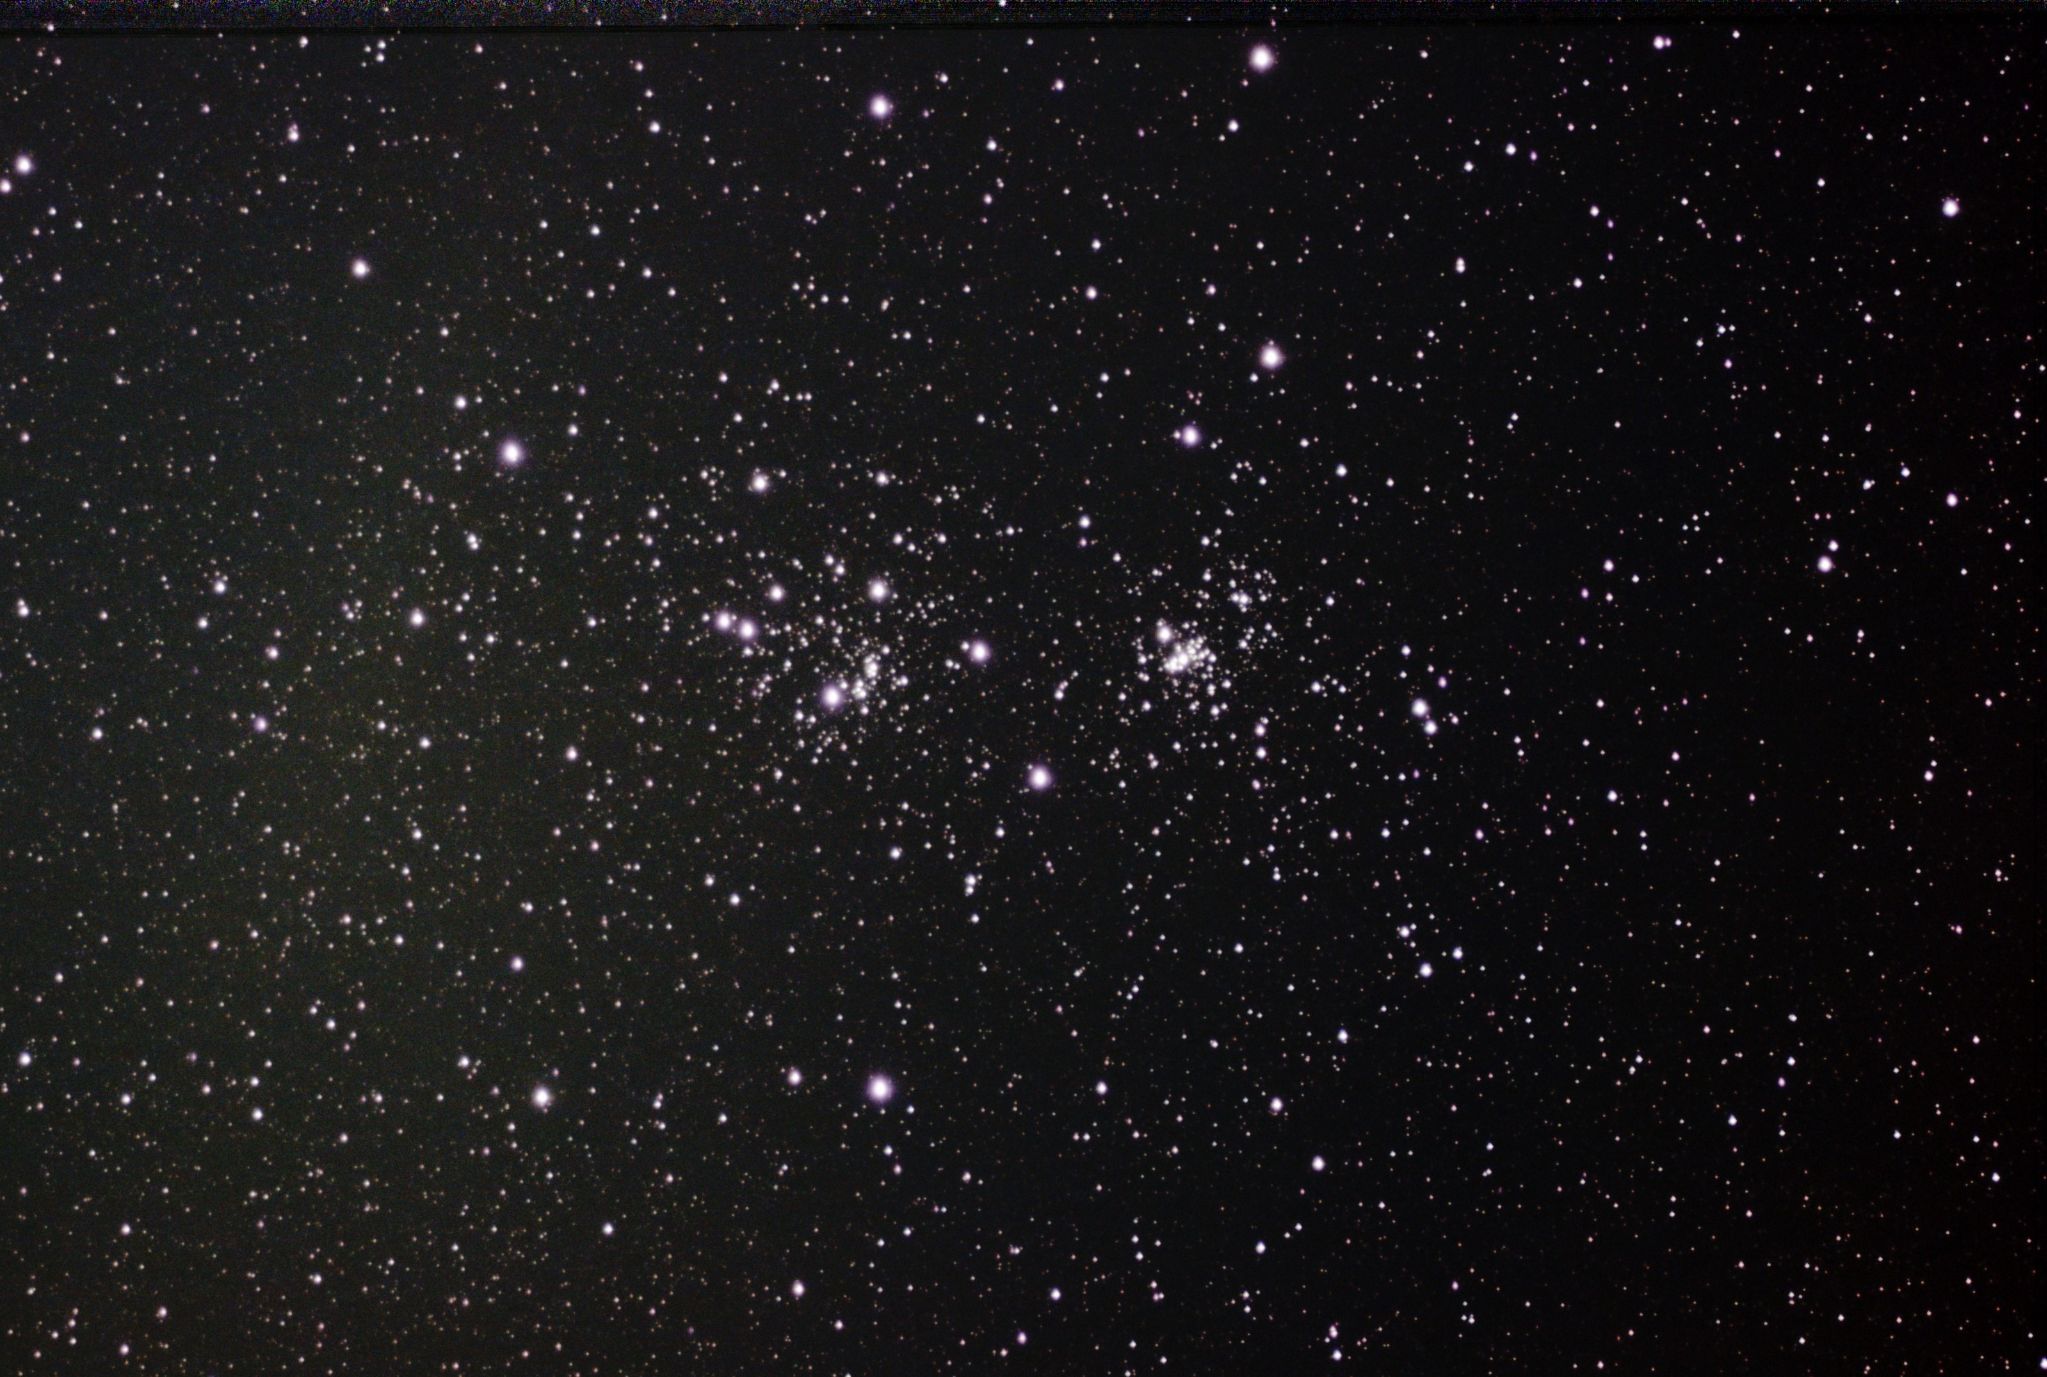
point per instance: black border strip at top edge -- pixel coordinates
(463, 15)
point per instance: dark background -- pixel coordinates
(1725, 1055)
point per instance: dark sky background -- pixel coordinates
(1157, 699)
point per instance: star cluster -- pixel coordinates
(1099, 701)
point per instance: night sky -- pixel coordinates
(1158, 698)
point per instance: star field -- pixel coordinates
(1111, 700)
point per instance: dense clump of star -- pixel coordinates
(1099, 701)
